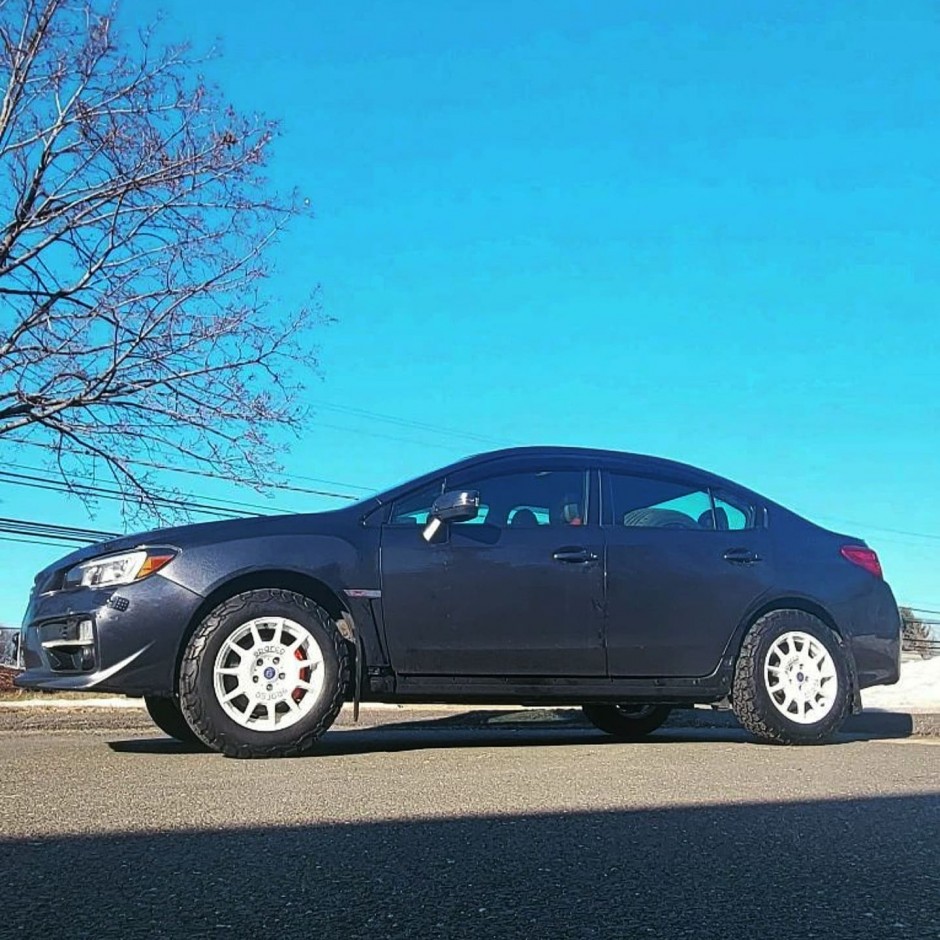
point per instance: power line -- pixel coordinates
(28, 541)
(98, 492)
(878, 528)
(205, 502)
(391, 437)
(53, 530)
(410, 423)
(208, 474)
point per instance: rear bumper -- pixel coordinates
(874, 633)
(123, 640)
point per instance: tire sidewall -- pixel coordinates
(609, 719)
(167, 715)
(197, 684)
(786, 622)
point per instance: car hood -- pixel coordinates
(202, 533)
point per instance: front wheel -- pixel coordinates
(791, 680)
(263, 675)
(627, 722)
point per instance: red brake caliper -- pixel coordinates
(298, 694)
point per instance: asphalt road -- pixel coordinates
(433, 828)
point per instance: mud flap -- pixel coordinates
(347, 629)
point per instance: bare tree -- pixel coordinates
(918, 635)
(134, 222)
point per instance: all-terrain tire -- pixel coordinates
(751, 697)
(167, 716)
(197, 696)
(627, 722)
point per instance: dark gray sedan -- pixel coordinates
(537, 576)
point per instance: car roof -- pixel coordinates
(636, 462)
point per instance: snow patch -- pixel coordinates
(918, 689)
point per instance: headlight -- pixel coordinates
(111, 570)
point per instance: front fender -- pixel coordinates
(333, 560)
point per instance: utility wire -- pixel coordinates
(98, 492)
(879, 528)
(191, 500)
(52, 530)
(409, 423)
(29, 541)
(208, 474)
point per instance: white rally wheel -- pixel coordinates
(268, 674)
(800, 677)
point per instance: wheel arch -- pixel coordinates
(808, 606)
(280, 578)
(788, 602)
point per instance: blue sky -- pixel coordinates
(705, 231)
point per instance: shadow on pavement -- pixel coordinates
(846, 868)
(470, 730)
(526, 727)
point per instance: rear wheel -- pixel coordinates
(627, 722)
(791, 680)
(264, 675)
(166, 715)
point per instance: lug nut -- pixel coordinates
(254, 678)
(260, 662)
(281, 677)
(270, 686)
(276, 660)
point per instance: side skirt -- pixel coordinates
(536, 690)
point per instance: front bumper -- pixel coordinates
(124, 639)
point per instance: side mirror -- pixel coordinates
(454, 506)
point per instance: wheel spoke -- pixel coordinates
(239, 651)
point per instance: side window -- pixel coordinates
(734, 513)
(414, 508)
(528, 499)
(649, 503)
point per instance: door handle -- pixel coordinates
(574, 556)
(741, 556)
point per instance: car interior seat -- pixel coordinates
(570, 513)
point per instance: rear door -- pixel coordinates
(685, 563)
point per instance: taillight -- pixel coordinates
(864, 558)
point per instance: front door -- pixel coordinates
(685, 563)
(518, 591)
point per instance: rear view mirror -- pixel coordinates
(454, 506)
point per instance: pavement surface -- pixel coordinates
(488, 824)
